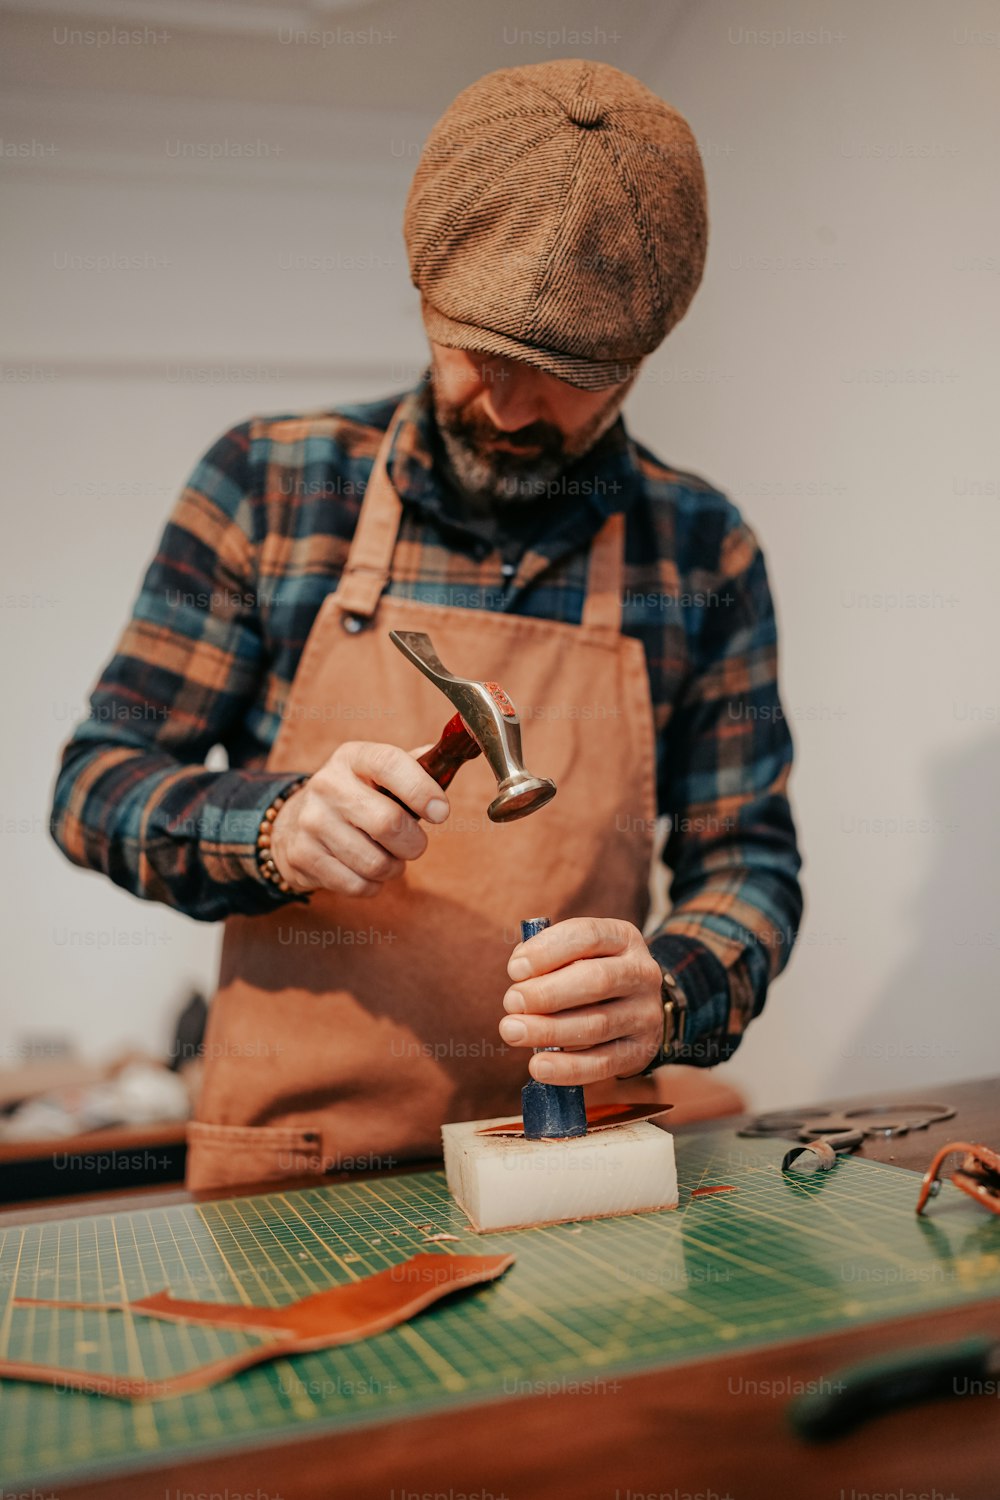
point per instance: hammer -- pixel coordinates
(486, 721)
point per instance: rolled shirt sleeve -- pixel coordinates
(133, 798)
(727, 752)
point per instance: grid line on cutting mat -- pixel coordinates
(775, 1259)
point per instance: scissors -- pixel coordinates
(846, 1129)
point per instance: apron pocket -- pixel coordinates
(223, 1156)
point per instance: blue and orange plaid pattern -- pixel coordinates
(257, 540)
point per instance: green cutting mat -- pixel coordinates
(774, 1260)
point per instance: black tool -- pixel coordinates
(845, 1130)
(848, 1397)
(550, 1111)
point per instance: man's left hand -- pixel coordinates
(590, 986)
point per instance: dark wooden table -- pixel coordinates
(115, 1158)
(708, 1430)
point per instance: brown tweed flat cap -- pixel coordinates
(558, 216)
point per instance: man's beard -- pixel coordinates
(529, 469)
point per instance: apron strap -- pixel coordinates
(369, 561)
(602, 607)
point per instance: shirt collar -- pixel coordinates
(603, 481)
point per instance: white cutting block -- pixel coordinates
(506, 1182)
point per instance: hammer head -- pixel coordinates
(491, 719)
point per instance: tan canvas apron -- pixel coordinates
(346, 1031)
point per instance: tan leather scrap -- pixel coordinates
(340, 1315)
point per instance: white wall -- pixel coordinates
(836, 376)
(848, 332)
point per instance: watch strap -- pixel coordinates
(674, 1022)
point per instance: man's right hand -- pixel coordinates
(340, 834)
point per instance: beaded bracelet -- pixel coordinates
(265, 859)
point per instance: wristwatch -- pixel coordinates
(674, 1021)
(674, 1017)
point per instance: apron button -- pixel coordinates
(353, 624)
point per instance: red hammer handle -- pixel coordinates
(442, 760)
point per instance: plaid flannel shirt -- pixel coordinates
(259, 537)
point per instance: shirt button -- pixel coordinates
(353, 624)
(508, 569)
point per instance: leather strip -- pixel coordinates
(599, 1117)
(340, 1315)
